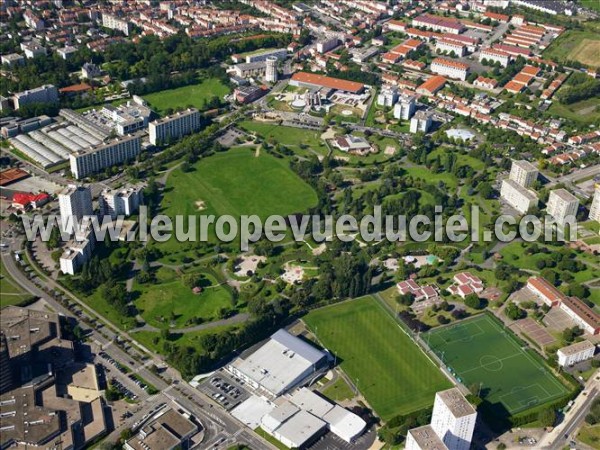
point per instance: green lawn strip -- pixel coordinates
(339, 391)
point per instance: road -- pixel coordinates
(220, 428)
(573, 419)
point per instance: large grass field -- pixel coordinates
(193, 95)
(388, 368)
(10, 292)
(578, 45)
(170, 302)
(236, 182)
(584, 112)
(479, 350)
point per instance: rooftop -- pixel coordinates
(456, 402)
(330, 82)
(426, 438)
(576, 348)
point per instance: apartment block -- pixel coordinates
(405, 107)
(121, 202)
(523, 173)
(450, 68)
(517, 196)
(421, 122)
(75, 202)
(175, 126)
(88, 161)
(43, 94)
(574, 353)
(562, 204)
(453, 419)
(115, 23)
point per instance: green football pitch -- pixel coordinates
(387, 367)
(480, 351)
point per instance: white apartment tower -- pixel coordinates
(175, 126)
(453, 419)
(120, 202)
(562, 204)
(595, 208)
(75, 202)
(421, 122)
(517, 196)
(423, 438)
(523, 173)
(405, 107)
(271, 71)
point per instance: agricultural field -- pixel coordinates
(577, 45)
(387, 367)
(480, 351)
(194, 95)
(170, 303)
(234, 183)
(10, 292)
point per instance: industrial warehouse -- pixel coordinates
(275, 376)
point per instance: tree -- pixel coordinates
(473, 301)
(513, 312)
(547, 417)
(405, 299)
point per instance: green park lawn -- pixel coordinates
(292, 137)
(235, 183)
(387, 367)
(339, 391)
(193, 95)
(171, 303)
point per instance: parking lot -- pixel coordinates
(224, 389)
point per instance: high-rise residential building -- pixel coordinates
(75, 202)
(423, 438)
(388, 96)
(595, 207)
(562, 204)
(95, 159)
(271, 70)
(120, 202)
(405, 107)
(327, 44)
(453, 419)
(76, 253)
(421, 122)
(517, 196)
(174, 126)
(43, 94)
(523, 173)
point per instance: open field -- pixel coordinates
(479, 350)
(584, 112)
(389, 369)
(234, 183)
(10, 292)
(591, 4)
(295, 138)
(578, 45)
(193, 95)
(172, 303)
